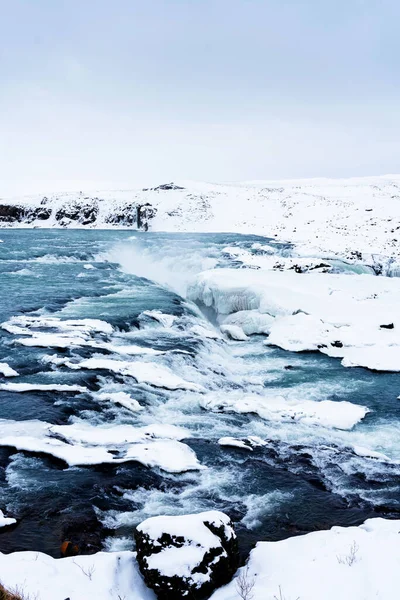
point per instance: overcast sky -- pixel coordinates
(147, 91)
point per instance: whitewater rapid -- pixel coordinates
(123, 398)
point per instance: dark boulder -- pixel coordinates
(187, 556)
(81, 533)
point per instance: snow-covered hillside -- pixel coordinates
(346, 216)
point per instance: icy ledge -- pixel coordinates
(355, 318)
(354, 563)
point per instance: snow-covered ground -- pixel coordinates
(341, 216)
(354, 563)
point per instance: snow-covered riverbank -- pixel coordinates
(354, 563)
(343, 217)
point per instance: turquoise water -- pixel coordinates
(305, 478)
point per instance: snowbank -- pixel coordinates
(343, 216)
(355, 318)
(104, 576)
(354, 563)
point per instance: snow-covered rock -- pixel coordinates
(186, 556)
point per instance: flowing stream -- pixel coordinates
(101, 319)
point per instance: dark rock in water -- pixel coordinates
(187, 556)
(81, 534)
(388, 326)
(69, 549)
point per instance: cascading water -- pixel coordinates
(130, 403)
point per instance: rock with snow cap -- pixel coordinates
(187, 556)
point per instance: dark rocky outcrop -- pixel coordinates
(164, 187)
(125, 215)
(187, 556)
(144, 213)
(11, 213)
(84, 213)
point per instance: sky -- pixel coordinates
(141, 92)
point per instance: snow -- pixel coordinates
(230, 441)
(354, 563)
(80, 444)
(339, 315)
(327, 413)
(170, 456)
(104, 576)
(26, 324)
(7, 371)
(248, 443)
(198, 540)
(150, 373)
(121, 398)
(340, 216)
(234, 332)
(250, 321)
(38, 387)
(6, 521)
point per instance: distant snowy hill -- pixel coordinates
(346, 216)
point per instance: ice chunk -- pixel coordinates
(340, 415)
(6, 521)
(7, 371)
(151, 373)
(234, 332)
